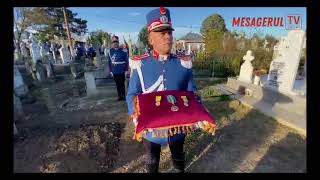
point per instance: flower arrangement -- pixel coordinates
(260, 72)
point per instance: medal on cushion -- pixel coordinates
(185, 100)
(171, 99)
(158, 99)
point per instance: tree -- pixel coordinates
(97, 37)
(213, 22)
(272, 41)
(22, 21)
(213, 42)
(143, 36)
(49, 21)
(52, 22)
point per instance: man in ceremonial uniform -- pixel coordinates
(160, 71)
(118, 64)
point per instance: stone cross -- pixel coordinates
(246, 69)
(265, 43)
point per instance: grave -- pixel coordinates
(49, 99)
(20, 88)
(278, 94)
(53, 50)
(246, 69)
(65, 54)
(284, 67)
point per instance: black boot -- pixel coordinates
(178, 166)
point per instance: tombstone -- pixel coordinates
(106, 52)
(49, 99)
(53, 50)
(15, 130)
(50, 70)
(246, 69)
(98, 58)
(24, 51)
(35, 50)
(65, 54)
(42, 50)
(16, 56)
(20, 88)
(90, 83)
(265, 44)
(18, 109)
(106, 69)
(283, 69)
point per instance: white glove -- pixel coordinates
(111, 74)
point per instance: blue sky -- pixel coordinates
(127, 21)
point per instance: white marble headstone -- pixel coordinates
(42, 50)
(65, 54)
(283, 68)
(246, 69)
(19, 85)
(35, 50)
(53, 49)
(23, 49)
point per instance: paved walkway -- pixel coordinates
(290, 119)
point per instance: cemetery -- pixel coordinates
(67, 118)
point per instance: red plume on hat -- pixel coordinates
(162, 10)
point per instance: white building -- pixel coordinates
(190, 42)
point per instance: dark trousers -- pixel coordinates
(152, 153)
(120, 80)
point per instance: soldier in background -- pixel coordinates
(118, 61)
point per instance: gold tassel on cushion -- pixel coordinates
(206, 125)
(200, 124)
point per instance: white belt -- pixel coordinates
(121, 62)
(154, 86)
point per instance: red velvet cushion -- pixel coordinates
(150, 116)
